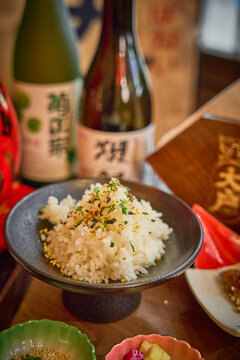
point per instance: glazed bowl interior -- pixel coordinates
(22, 237)
(47, 334)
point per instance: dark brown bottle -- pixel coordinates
(115, 131)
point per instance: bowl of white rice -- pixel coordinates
(98, 237)
(107, 235)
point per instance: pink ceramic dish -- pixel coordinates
(177, 349)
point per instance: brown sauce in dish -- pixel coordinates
(231, 282)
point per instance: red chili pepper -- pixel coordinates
(221, 245)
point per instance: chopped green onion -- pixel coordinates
(124, 201)
(97, 191)
(112, 244)
(153, 220)
(113, 184)
(79, 223)
(112, 208)
(145, 213)
(123, 208)
(105, 223)
(132, 247)
(79, 209)
(125, 222)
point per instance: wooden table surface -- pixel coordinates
(168, 309)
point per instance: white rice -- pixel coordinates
(108, 234)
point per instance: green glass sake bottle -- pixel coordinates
(115, 132)
(47, 90)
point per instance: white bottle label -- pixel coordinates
(113, 154)
(48, 117)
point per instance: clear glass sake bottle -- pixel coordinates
(115, 132)
(47, 90)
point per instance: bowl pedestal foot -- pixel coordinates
(101, 308)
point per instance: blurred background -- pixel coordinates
(191, 47)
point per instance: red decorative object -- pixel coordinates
(11, 191)
(15, 193)
(221, 245)
(10, 143)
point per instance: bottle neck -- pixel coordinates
(117, 17)
(45, 49)
(39, 9)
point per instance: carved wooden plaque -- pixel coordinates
(202, 165)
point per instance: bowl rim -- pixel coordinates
(143, 337)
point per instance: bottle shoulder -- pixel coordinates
(45, 50)
(110, 62)
(117, 95)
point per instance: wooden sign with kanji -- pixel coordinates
(202, 165)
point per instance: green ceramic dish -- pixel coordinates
(46, 333)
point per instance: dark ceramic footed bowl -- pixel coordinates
(22, 237)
